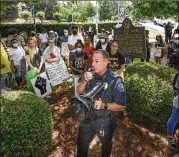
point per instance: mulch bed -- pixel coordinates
(134, 138)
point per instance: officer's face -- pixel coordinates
(99, 63)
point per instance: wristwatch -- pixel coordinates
(105, 106)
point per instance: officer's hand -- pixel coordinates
(88, 76)
(98, 104)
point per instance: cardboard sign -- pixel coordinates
(64, 49)
(57, 72)
(41, 85)
(131, 39)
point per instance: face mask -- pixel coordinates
(65, 33)
(15, 45)
(176, 41)
(102, 40)
(74, 32)
(78, 49)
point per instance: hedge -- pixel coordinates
(149, 91)
(26, 125)
(56, 27)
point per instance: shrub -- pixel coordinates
(24, 15)
(41, 15)
(149, 90)
(56, 27)
(26, 125)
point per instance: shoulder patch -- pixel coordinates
(120, 87)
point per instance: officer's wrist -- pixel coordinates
(105, 106)
(85, 80)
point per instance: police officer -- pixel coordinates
(111, 100)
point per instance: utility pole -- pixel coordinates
(33, 15)
(97, 17)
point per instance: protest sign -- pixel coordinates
(64, 49)
(57, 72)
(41, 85)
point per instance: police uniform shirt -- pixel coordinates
(116, 60)
(115, 91)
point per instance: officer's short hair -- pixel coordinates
(104, 53)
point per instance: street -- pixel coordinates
(154, 30)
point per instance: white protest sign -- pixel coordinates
(41, 85)
(64, 49)
(57, 72)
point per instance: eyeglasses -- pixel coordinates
(51, 42)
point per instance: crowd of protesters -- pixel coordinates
(19, 56)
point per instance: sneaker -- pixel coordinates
(172, 144)
(8, 89)
(3, 91)
(48, 96)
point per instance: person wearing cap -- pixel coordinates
(103, 42)
(88, 49)
(73, 39)
(15, 35)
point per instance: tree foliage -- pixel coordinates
(106, 10)
(74, 10)
(41, 15)
(8, 9)
(24, 15)
(151, 9)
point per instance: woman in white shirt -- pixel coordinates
(52, 52)
(17, 54)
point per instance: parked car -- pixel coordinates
(163, 22)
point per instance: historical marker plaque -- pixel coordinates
(131, 39)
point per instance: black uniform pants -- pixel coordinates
(88, 130)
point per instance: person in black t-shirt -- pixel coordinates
(78, 62)
(117, 60)
(117, 64)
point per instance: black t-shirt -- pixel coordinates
(35, 61)
(116, 60)
(78, 61)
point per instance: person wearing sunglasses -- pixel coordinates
(117, 64)
(73, 39)
(52, 52)
(34, 57)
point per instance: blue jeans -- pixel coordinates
(173, 120)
